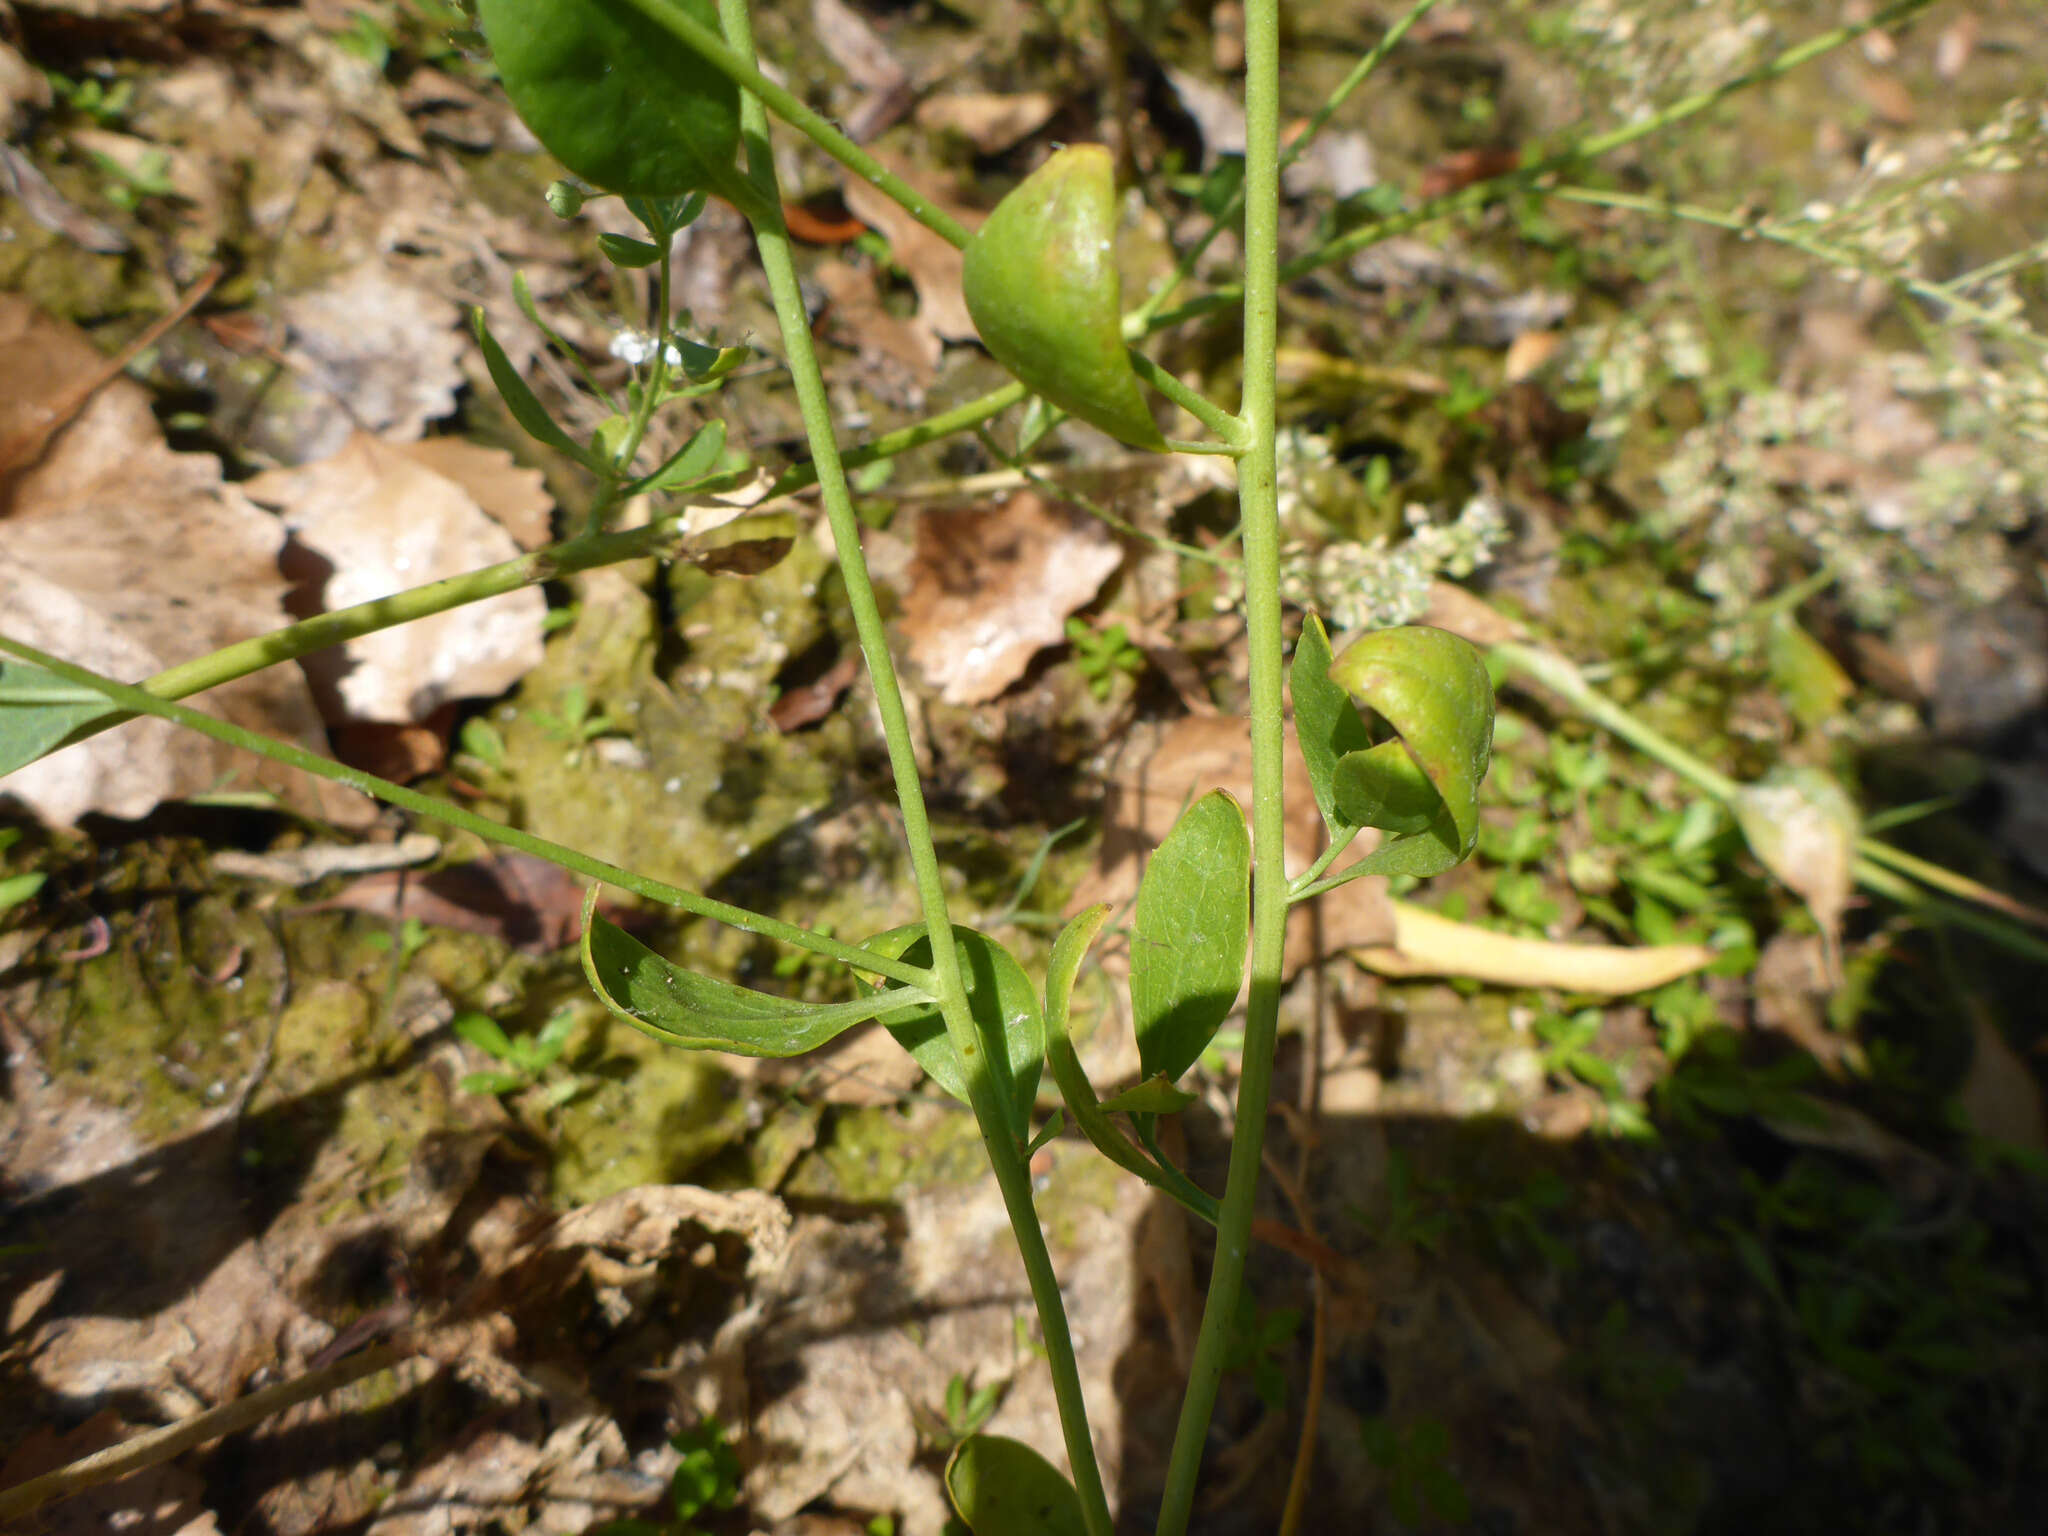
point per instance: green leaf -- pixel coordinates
(1002, 1487)
(16, 889)
(700, 1013)
(1190, 935)
(1041, 283)
(524, 405)
(1385, 787)
(693, 461)
(625, 251)
(615, 96)
(40, 712)
(483, 1032)
(1432, 688)
(1154, 1096)
(494, 1083)
(1326, 722)
(1005, 1009)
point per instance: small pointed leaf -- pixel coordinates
(1154, 1096)
(1003, 1487)
(1190, 935)
(1041, 284)
(1005, 1009)
(1326, 722)
(524, 405)
(625, 251)
(693, 461)
(615, 96)
(700, 1013)
(1432, 688)
(40, 712)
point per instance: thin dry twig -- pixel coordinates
(159, 1445)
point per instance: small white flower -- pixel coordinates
(636, 347)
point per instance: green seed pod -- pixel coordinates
(1041, 283)
(616, 98)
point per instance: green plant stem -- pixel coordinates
(136, 702)
(1258, 501)
(1948, 295)
(1138, 322)
(1878, 864)
(1874, 877)
(1303, 884)
(1006, 1157)
(738, 66)
(1481, 193)
(1198, 405)
(344, 624)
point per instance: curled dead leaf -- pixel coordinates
(1428, 945)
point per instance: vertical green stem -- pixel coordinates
(1259, 504)
(1005, 1155)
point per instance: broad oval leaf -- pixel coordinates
(1002, 1487)
(701, 1013)
(1326, 722)
(1432, 688)
(1189, 939)
(1005, 1009)
(616, 97)
(1041, 284)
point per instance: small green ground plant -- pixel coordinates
(662, 103)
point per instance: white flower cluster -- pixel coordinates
(636, 347)
(1644, 53)
(1376, 584)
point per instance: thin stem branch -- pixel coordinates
(1878, 865)
(137, 702)
(1481, 193)
(1258, 500)
(1948, 295)
(945, 981)
(738, 66)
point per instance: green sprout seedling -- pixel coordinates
(1103, 655)
(527, 1062)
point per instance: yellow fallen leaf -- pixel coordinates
(1428, 945)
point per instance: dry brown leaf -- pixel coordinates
(990, 588)
(857, 317)
(991, 121)
(933, 265)
(375, 520)
(531, 904)
(386, 353)
(513, 494)
(51, 371)
(1428, 945)
(124, 556)
(854, 47)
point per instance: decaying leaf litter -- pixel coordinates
(237, 1139)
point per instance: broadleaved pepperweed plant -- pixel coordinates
(662, 103)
